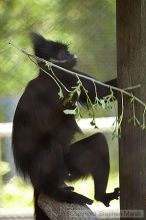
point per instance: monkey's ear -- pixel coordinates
(37, 40)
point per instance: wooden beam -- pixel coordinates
(65, 211)
(131, 66)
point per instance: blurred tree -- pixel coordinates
(88, 26)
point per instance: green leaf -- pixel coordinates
(68, 99)
(78, 82)
(93, 123)
(60, 93)
(130, 119)
(102, 102)
(78, 92)
(70, 111)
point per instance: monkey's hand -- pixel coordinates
(107, 197)
(71, 197)
(65, 187)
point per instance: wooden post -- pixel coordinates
(131, 61)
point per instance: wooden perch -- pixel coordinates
(63, 211)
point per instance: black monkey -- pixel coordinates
(42, 133)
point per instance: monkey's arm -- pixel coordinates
(112, 82)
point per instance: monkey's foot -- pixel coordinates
(71, 197)
(107, 197)
(67, 188)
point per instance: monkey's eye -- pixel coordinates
(62, 55)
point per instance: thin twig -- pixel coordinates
(80, 75)
(77, 89)
(132, 87)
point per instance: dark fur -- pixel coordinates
(42, 134)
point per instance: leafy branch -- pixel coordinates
(104, 103)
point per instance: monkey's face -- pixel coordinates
(54, 52)
(61, 56)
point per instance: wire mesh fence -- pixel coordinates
(88, 27)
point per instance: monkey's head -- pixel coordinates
(54, 52)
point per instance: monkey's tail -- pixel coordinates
(39, 213)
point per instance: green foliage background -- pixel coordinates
(88, 26)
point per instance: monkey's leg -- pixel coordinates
(90, 156)
(45, 173)
(48, 173)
